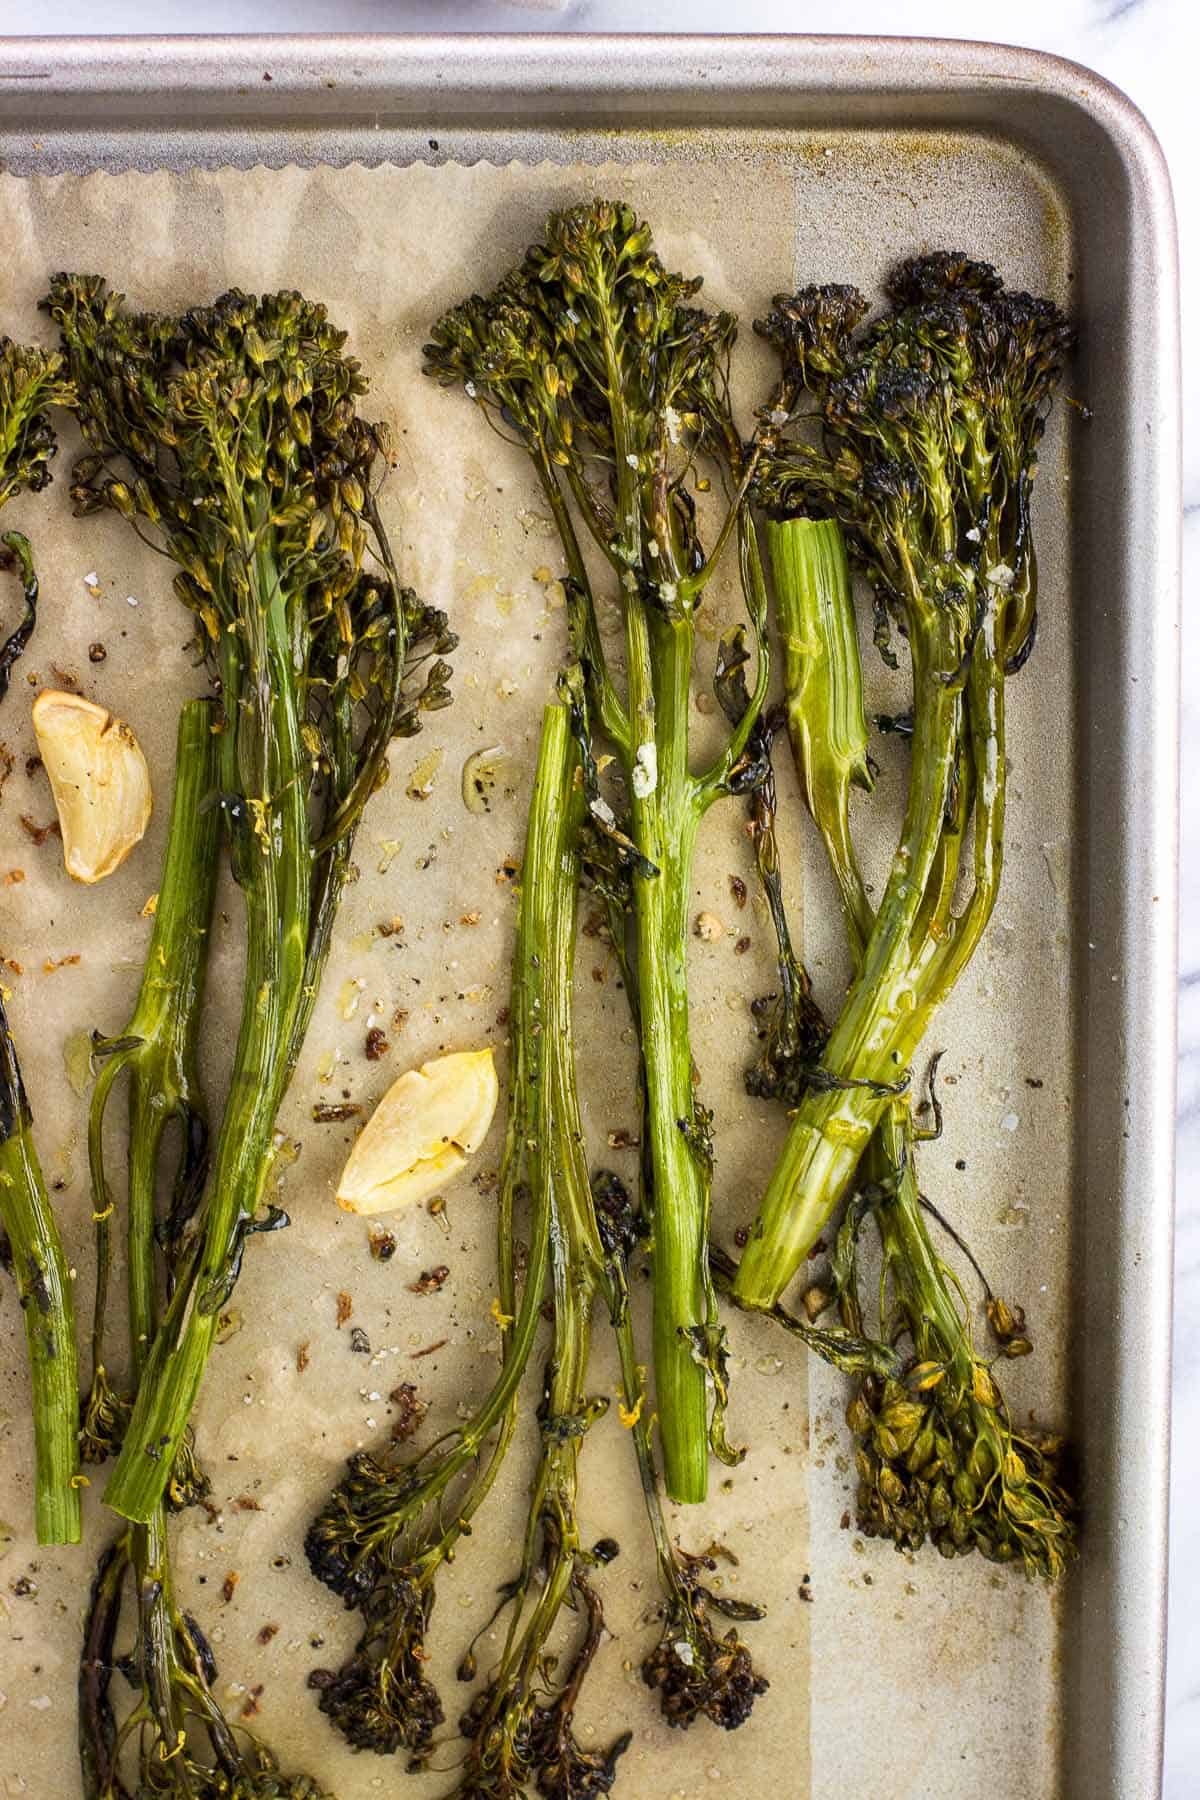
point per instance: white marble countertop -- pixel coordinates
(1147, 47)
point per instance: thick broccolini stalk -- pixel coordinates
(695, 1672)
(938, 1457)
(230, 436)
(31, 381)
(616, 386)
(931, 422)
(175, 1741)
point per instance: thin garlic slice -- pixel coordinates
(421, 1133)
(99, 779)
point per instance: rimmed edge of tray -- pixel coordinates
(77, 103)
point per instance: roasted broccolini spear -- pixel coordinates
(175, 1741)
(34, 1257)
(520, 1726)
(230, 436)
(32, 381)
(616, 385)
(931, 422)
(389, 1525)
(938, 1457)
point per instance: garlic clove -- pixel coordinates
(99, 779)
(421, 1133)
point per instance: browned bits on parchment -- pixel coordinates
(410, 1410)
(377, 1045)
(324, 1114)
(345, 1306)
(251, 1705)
(229, 1585)
(302, 1357)
(381, 1243)
(39, 833)
(429, 1280)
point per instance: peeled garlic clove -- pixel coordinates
(99, 779)
(421, 1133)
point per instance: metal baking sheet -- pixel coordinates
(866, 148)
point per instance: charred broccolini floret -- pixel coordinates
(930, 424)
(938, 1458)
(230, 437)
(31, 382)
(175, 1741)
(594, 355)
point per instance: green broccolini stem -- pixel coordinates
(273, 864)
(884, 1017)
(541, 986)
(158, 1046)
(44, 1286)
(664, 829)
(822, 684)
(521, 1727)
